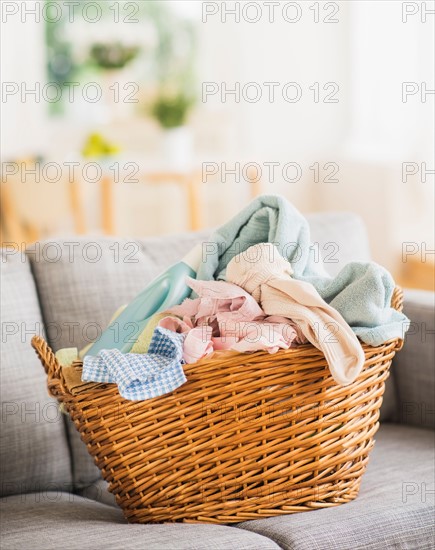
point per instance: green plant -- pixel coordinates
(61, 66)
(113, 55)
(171, 110)
(170, 63)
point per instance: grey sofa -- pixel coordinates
(52, 493)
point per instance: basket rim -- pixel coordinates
(56, 378)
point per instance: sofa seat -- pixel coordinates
(54, 520)
(395, 507)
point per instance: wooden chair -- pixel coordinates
(15, 229)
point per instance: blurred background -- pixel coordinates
(152, 117)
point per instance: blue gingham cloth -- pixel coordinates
(141, 375)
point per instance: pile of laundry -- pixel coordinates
(250, 295)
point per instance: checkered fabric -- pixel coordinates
(141, 376)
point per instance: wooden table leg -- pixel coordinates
(11, 224)
(195, 210)
(255, 183)
(107, 205)
(76, 207)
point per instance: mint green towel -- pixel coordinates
(361, 292)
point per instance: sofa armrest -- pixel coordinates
(414, 365)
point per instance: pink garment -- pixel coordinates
(198, 343)
(226, 317)
(217, 298)
(254, 335)
(269, 281)
(175, 324)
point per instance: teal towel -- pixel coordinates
(361, 292)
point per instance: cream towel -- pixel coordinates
(264, 273)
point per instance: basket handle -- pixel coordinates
(50, 364)
(397, 299)
(397, 304)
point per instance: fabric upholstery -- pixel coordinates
(389, 401)
(414, 365)
(34, 454)
(395, 507)
(341, 237)
(98, 491)
(79, 295)
(53, 520)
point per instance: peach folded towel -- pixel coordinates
(266, 275)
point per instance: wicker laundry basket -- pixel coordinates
(248, 436)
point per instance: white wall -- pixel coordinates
(23, 123)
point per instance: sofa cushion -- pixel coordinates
(340, 238)
(53, 520)
(82, 281)
(34, 451)
(413, 365)
(395, 507)
(98, 491)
